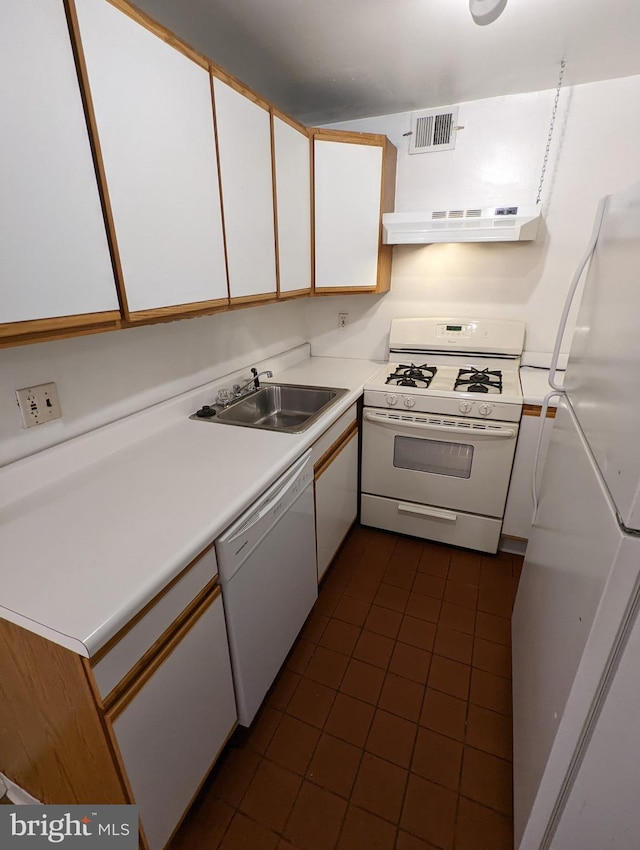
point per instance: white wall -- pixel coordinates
(497, 159)
(103, 377)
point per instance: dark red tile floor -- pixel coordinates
(389, 726)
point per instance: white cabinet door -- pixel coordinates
(175, 725)
(155, 126)
(244, 140)
(519, 508)
(54, 256)
(347, 181)
(336, 490)
(292, 158)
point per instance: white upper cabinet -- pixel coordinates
(54, 255)
(244, 140)
(155, 127)
(292, 158)
(354, 182)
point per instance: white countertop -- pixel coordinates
(535, 385)
(84, 553)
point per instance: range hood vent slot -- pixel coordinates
(433, 130)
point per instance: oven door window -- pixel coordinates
(435, 456)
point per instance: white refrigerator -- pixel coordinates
(575, 628)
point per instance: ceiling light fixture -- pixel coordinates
(485, 12)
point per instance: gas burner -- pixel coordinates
(478, 381)
(412, 376)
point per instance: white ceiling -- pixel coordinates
(332, 60)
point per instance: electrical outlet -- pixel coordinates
(343, 321)
(38, 404)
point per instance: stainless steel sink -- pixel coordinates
(280, 407)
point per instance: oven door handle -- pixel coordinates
(470, 433)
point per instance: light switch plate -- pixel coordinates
(38, 404)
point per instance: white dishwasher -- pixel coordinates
(267, 571)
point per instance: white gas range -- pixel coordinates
(440, 426)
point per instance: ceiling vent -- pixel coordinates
(433, 130)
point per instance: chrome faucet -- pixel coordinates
(241, 389)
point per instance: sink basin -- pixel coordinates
(281, 407)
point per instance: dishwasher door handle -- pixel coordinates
(275, 500)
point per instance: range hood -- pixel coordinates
(491, 224)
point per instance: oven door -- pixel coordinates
(462, 464)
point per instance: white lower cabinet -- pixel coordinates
(519, 509)
(172, 728)
(336, 493)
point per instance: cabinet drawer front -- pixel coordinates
(173, 729)
(332, 434)
(476, 532)
(112, 667)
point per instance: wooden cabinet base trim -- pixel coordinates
(17, 330)
(295, 293)
(177, 310)
(143, 611)
(247, 300)
(186, 623)
(329, 456)
(345, 290)
(536, 410)
(166, 636)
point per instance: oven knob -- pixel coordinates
(464, 407)
(392, 400)
(485, 409)
(409, 402)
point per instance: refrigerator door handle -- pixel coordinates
(572, 291)
(534, 474)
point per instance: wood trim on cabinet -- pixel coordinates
(334, 450)
(51, 735)
(238, 85)
(536, 410)
(387, 204)
(184, 628)
(219, 171)
(244, 300)
(96, 151)
(109, 320)
(177, 310)
(108, 646)
(137, 669)
(295, 293)
(350, 136)
(162, 32)
(276, 113)
(274, 190)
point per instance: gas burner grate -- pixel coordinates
(412, 376)
(479, 381)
